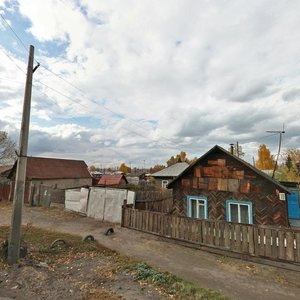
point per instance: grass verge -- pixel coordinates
(38, 242)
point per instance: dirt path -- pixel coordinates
(235, 278)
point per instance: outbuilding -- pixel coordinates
(53, 172)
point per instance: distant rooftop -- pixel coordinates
(172, 171)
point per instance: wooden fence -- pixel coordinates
(42, 195)
(158, 201)
(4, 191)
(255, 240)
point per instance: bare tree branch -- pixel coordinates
(7, 149)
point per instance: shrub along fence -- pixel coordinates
(254, 240)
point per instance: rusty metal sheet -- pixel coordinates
(222, 184)
(197, 172)
(213, 184)
(233, 185)
(185, 182)
(195, 182)
(245, 186)
(221, 162)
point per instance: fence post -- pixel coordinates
(123, 212)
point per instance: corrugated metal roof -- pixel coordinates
(171, 171)
(111, 180)
(55, 168)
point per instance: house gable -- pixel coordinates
(220, 177)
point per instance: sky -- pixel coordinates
(138, 81)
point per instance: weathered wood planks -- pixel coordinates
(262, 241)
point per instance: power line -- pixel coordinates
(72, 100)
(13, 61)
(15, 34)
(80, 90)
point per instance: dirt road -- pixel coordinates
(232, 277)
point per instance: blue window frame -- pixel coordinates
(197, 207)
(239, 211)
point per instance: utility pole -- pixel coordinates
(279, 147)
(16, 219)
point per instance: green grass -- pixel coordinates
(172, 285)
(39, 241)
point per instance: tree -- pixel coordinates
(288, 162)
(290, 170)
(156, 168)
(181, 157)
(124, 169)
(237, 150)
(264, 161)
(92, 168)
(7, 149)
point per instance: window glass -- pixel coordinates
(193, 208)
(164, 184)
(197, 207)
(201, 211)
(244, 212)
(234, 217)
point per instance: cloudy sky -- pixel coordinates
(138, 81)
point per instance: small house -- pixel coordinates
(53, 172)
(221, 186)
(113, 180)
(163, 177)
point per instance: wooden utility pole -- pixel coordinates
(279, 147)
(16, 219)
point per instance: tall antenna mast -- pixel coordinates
(279, 146)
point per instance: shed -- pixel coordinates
(163, 177)
(54, 172)
(221, 186)
(113, 180)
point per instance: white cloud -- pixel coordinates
(160, 77)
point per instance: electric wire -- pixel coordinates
(83, 93)
(66, 81)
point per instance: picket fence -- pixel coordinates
(281, 244)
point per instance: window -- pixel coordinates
(164, 184)
(197, 207)
(239, 212)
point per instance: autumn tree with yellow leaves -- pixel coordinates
(264, 161)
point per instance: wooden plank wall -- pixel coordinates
(4, 191)
(220, 177)
(255, 240)
(159, 201)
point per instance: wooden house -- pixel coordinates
(164, 176)
(221, 186)
(52, 172)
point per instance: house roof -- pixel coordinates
(218, 148)
(172, 171)
(4, 169)
(111, 180)
(54, 168)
